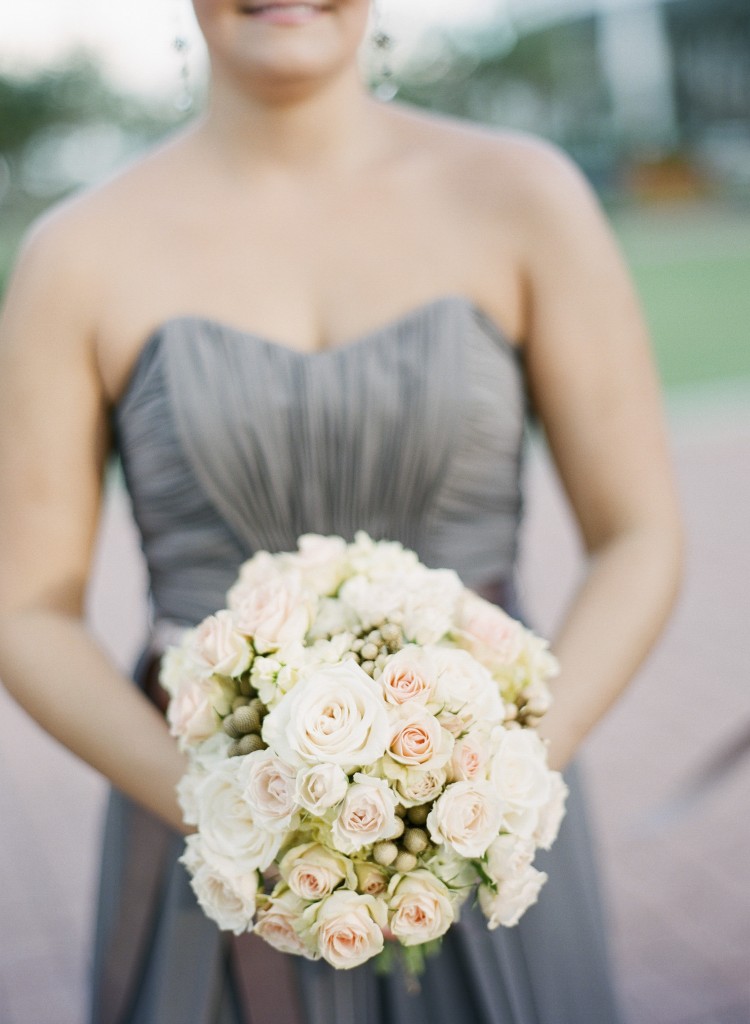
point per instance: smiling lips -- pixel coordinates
(283, 12)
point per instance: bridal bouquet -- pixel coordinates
(362, 752)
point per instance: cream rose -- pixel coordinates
(488, 632)
(420, 908)
(414, 785)
(336, 715)
(332, 619)
(225, 894)
(367, 815)
(277, 924)
(217, 646)
(467, 692)
(371, 879)
(226, 823)
(519, 769)
(321, 787)
(321, 561)
(408, 676)
(551, 814)
(430, 601)
(193, 711)
(268, 786)
(513, 897)
(312, 871)
(417, 738)
(509, 856)
(467, 816)
(348, 927)
(274, 613)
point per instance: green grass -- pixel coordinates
(691, 266)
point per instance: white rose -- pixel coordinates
(373, 602)
(268, 785)
(429, 604)
(263, 676)
(187, 795)
(551, 814)
(488, 632)
(320, 787)
(225, 894)
(379, 559)
(348, 927)
(420, 908)
(409, 675)
(217, 646)
(273, 613)
(312, 871)
(467, 816)
(321, 561)
(519, 769)
(468, 693)
(277, 924)
(333, 618)
(177, 667)
(226, 823)
(506, 906)
(257, 570)
(471, 757)
(367, 815)
(509, 856)
(458, 873)
(336, 715)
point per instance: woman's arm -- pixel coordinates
(53, 444)
(595, 390)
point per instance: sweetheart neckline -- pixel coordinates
(155, 336)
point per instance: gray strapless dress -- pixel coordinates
(231, 443)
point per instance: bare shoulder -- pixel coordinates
(530, 174)
(79, 234)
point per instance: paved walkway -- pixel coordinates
(675, 874)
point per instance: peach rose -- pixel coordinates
(408, 676)
(312, 871)
(277, 923)
(420, 908)
(367, 815)
(417, 738)
(348, 927)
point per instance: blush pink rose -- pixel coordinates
(408, 676)
(273, 613)
(417, 738)
(488, 632)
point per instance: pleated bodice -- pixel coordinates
(232, 443)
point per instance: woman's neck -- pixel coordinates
(331, 126)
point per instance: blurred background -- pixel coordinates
(652, 99)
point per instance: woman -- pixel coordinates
(311, 311)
